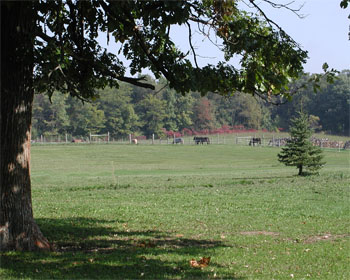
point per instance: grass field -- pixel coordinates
(127, 212)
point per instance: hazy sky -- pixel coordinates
(323, 32)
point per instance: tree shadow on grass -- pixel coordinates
(90, 248)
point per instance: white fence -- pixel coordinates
(221, 139)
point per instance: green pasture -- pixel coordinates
(145, 211)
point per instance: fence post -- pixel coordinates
(152, 138)
(263, 144)
(108, 137)
(174, 137)
(129, 138)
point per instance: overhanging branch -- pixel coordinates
(138, 36)
(135, 81)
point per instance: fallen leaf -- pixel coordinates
(203, 262)
(194, 263)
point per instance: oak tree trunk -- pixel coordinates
(18, 230)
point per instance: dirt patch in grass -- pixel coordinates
(325, 237)
(262, 232)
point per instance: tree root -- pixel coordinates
(32, 240)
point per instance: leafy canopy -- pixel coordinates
(70, 59)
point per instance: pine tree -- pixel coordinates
(299, 150)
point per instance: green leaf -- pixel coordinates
(325, 67)
(344, 4)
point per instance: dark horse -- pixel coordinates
(255, 141)
(201, 140)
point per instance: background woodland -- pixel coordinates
(142, 112)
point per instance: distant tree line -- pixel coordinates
(133, 110)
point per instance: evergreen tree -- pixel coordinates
(299, 150)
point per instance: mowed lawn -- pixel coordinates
(144, 212)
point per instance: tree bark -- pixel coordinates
(18, 230)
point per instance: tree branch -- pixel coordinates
(279, 6)
(53, 41)
(138, 36)
(287, 6)
(190, 42)
(135, 81)
(39, 33)
(268, 20)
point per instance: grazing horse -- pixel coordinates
(134, 141)
(77, 140)
(201, 140)
(178, 140)
(255, 141)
